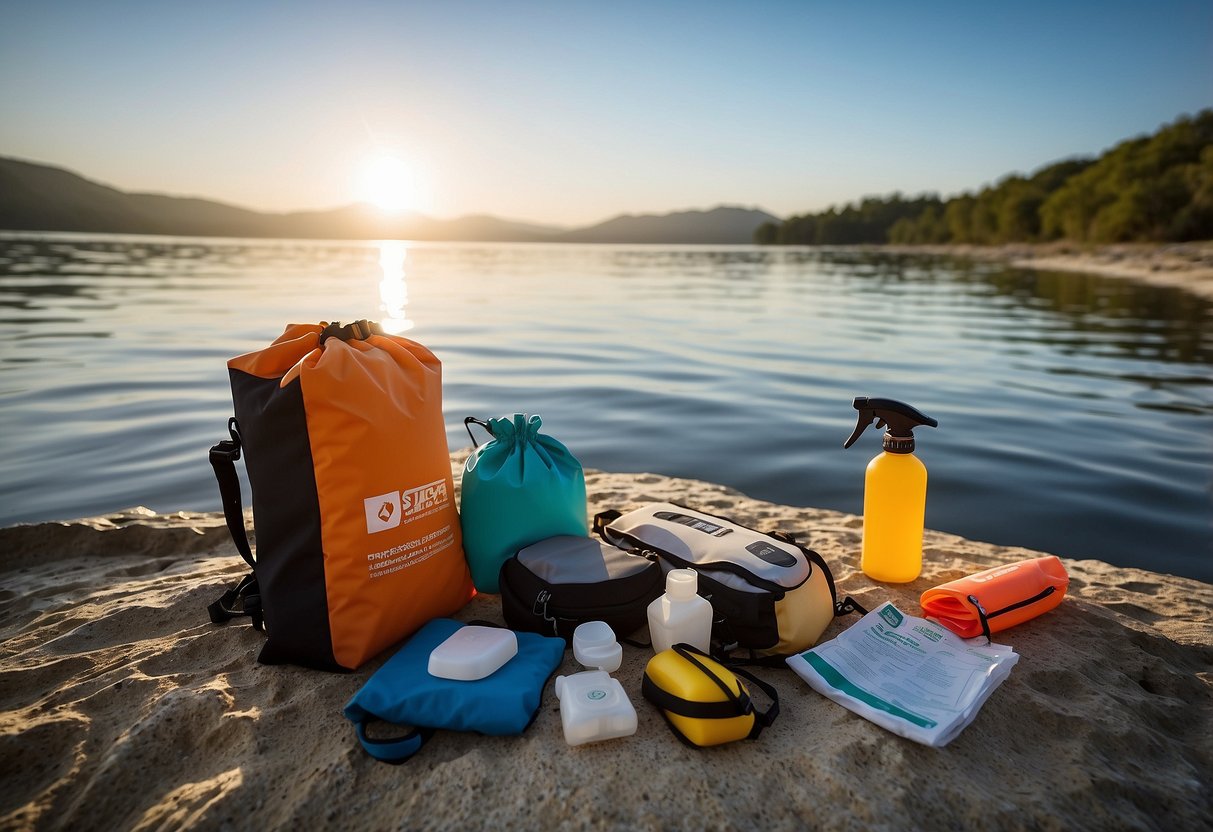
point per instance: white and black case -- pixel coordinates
(769, 594)
(552, 586)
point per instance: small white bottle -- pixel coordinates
(680, 616)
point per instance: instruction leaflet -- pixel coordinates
(907, 674)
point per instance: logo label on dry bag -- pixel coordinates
(428, 496)
(388, 511)
(382, 512)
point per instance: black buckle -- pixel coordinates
(242, 599)
(229, 449)
(357, 331)
(226, 450)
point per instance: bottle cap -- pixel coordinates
(681, 583)
(594, 645)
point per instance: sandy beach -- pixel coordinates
(125, 708)
(1187, 266)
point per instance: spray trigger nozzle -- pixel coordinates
(899, 417)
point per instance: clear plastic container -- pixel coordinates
(594, 707)
(595, 646)
(680, 616)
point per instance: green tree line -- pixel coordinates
(1155, 188)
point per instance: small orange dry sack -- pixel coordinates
(358, 540)
(998, 598)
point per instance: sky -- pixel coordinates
(568, 113)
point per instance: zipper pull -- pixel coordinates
(540, 609)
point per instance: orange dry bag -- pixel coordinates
(998, 598)
(357, 536)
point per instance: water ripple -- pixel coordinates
(1076, 412)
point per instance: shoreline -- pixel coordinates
(1187, 266)
(124, 707)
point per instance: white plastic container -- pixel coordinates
(680, 616)
(473, 653)
(594, 707)
(595, 646)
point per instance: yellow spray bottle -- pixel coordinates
(894, 492)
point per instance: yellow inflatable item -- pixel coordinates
(703, 702)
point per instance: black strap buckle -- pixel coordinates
(229, 449)
(242, 599)
(225, 451)
(356, 331)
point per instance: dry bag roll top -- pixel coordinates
(769, 594)
(703, 702)
(358, 540)
(998, 598)
(519, 488)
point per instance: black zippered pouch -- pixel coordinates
(554, 585)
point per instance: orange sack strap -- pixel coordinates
(998, 598)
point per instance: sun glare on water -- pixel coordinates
(393, 292)
(389, 184)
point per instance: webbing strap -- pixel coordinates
(395, 750)
(245, 597)
(223, 460)
(242, 599)
(721, 709)
(762, 719)
(849, 605)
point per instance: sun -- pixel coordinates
(389, 184)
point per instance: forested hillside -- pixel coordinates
(1156, 188)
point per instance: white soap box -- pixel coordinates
(472, 653)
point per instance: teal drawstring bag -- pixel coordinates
(518, 488)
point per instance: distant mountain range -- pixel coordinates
(36, 197)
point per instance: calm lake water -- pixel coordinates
(1076, 412)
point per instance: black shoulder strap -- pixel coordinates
(762, 719)
(245, 597)
(223, 460)
(732, 662)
